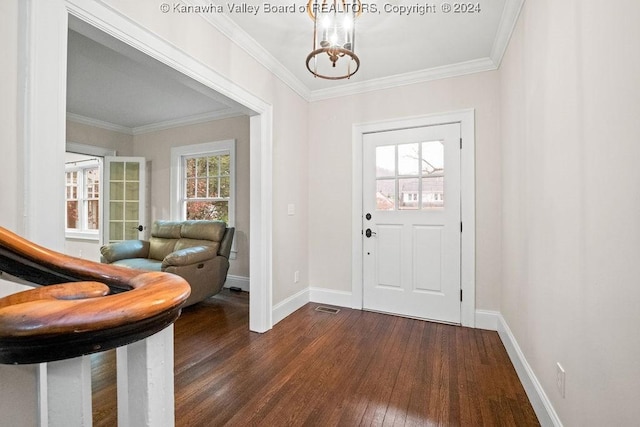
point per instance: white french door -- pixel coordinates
(124, 198)
(411, 222)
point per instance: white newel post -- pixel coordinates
(19, 400)
(145, 382)
(69, 392)
(47, 394)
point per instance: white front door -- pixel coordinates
(411, 222)
(124, 198)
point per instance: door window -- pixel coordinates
(410, 176)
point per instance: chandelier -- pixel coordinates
(334, 35)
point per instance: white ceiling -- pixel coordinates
(112, 85)
(387, 43)
(393, 48)
(111, 82)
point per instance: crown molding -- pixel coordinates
(436, 73)
(83, 120)
(238, 36)
(507, 25)
(185, 121)
(154, 127)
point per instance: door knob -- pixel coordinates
(369, 233)
(140, 228)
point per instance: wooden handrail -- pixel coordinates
(84, 307)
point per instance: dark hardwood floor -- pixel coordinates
(318, 369)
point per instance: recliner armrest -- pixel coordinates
(123, 250)
(225, 244)
(188, 256)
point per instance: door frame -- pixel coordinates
(42, 73)
(466, 119)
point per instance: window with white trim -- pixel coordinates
(82, 199)
(203, 181)
(206, 184)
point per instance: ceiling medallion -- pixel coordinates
(334, 34)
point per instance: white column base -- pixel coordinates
(145, 382)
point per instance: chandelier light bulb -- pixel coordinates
(333, 51)
(334, 39)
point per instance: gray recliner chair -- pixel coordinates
(198, 251)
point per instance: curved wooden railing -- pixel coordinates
(84, 307)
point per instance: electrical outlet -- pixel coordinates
(560, 378)
(296, 276)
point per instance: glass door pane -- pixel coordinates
(125, 198)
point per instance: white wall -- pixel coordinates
(571, 236)
(20, 192)
(10, 188)
(330, 125)
(156, 147)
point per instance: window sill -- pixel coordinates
(82, 235)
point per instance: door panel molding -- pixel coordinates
(466, 119)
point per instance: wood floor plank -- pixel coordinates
(398, 403)
(103, 386)
(318, 369)
(344, 394)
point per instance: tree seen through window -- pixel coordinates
(207, 187)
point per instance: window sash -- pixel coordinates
(206, 180)
(77, 178)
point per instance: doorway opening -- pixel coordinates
(44, 115)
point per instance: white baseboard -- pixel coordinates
(316, 295)
(289, 305)
(487, 319)
(238, 282)
(330, 297)
(538, 398)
